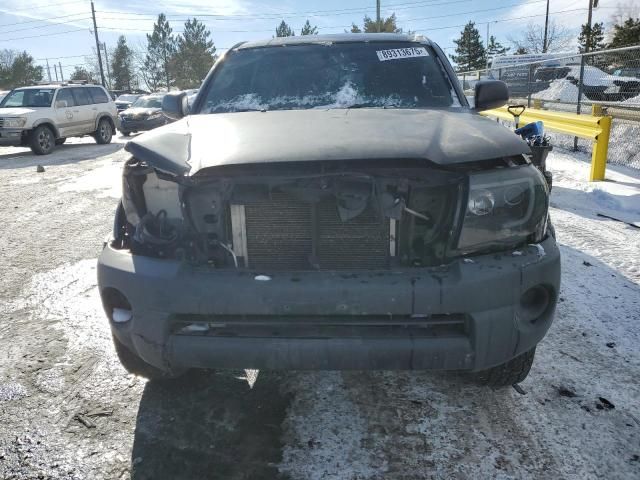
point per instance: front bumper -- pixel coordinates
(11, 136)
(463, 316)
(141, 125)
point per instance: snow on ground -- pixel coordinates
(579, 417)
(618, 195)
(374, 425)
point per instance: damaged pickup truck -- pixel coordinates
(331, 202)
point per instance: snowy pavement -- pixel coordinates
(69, 411)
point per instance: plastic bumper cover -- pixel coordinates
(484, 290)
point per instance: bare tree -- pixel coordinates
(559, 38)
(625, 10)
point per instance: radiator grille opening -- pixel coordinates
(285, 233)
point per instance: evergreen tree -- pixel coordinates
(370, 25)
(495, 48)
(17, 69)
(521, 51)
(195, 55)
(626, 34)
(591, 39)
(470, 52)
(161, 48)
(122, 65)
(81, 73)
(284, 30)
(307, 29)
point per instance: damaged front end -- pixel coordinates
(328, 215)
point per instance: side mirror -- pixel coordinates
(175, 105)
(490, 94)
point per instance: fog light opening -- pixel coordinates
(534, 303)
(116, 306)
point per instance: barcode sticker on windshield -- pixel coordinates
(398, 53)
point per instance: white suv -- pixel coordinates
(44, 116)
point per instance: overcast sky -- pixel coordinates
(62, 30)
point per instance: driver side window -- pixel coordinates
(65, 99)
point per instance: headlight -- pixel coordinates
(504, 208)
(17, 122)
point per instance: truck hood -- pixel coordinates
(441, 136)
(15, 111)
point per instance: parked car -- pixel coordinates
(46, 115)
(143, 114)
(124, 101)
(597, 84)
(331, 202)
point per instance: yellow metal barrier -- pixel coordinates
(593, 127)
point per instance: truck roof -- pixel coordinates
(334, 38)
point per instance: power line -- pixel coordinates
(289, 14)
(43, 6)
(409, 20)
(68, 56)
(42, 20)
(44, 35)
(55, 24)
(327, 27)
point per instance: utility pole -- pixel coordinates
(106, 60)
(48, 70)
(95, 32)
(546, 30)
(592, 4)
(378, 15)
(487, 47)
(61, 76)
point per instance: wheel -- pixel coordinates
(125, 133)
(60, 141)
(104, 132)
(42, 140)
(134, 364)
(514, 371)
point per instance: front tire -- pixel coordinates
(134, 364)
(104, 133)
(514, 371)
(42, 140)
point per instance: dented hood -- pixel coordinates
(444, 137)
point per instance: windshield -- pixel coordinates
(29, 97)
(148, 102)
(127, 98)
(343, 75)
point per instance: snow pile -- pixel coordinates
(632, 101)
(560, 90)
(624, 143)
(618, 196)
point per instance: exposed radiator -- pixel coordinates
(287, 234)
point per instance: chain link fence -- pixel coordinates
(606, 81)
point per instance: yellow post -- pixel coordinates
(600, 149)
